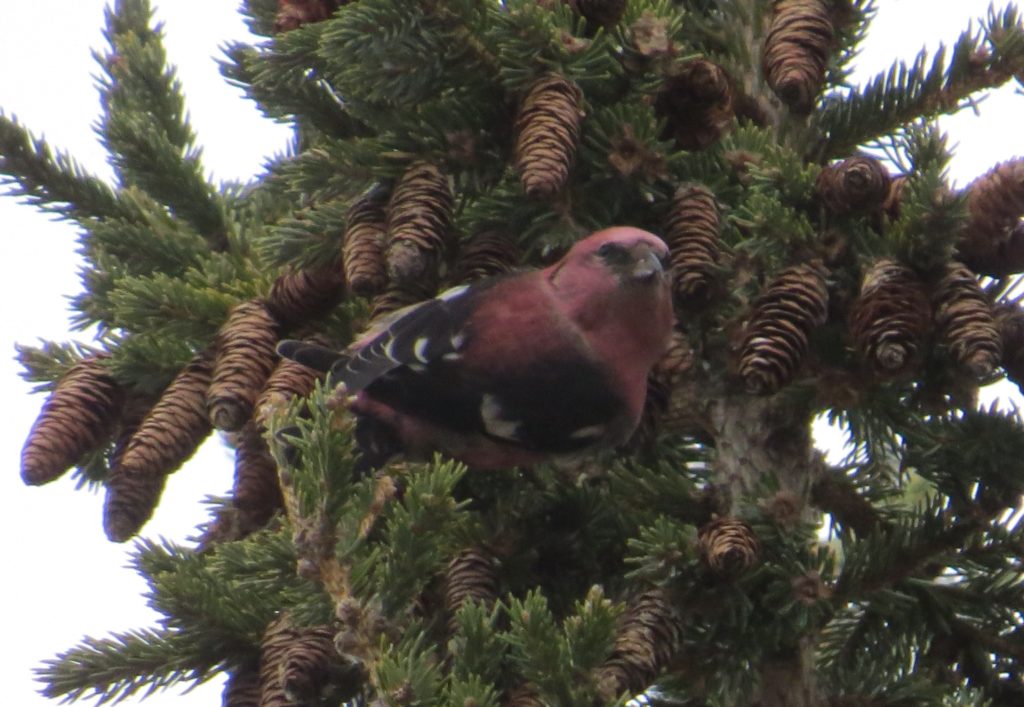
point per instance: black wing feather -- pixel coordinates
(425, 333)
(315, 356)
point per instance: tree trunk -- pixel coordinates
(757, 437)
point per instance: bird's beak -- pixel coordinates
(647, 264)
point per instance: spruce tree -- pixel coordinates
(824, 267)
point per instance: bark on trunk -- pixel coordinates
(756, 437)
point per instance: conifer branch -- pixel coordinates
(125, 664)
(925, 89)
(54, 183)
(145, 127)
(285, 80)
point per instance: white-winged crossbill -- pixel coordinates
(515, 369)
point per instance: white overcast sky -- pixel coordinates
(62, 579)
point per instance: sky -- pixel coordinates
(62, 579)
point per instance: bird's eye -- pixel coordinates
(611, 250)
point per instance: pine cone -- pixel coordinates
(894, 198)
(646, 641)
(728, 546)
(857, 184)
(691, 232)
(993, 242)
(289, 380)
(793, 304)
(606, 13)
(995, 200)
(548, 135)
(419, 229)
(471, 575)
(242, 688)
(136, 408)
(168, 435)
(277, 639)
(80, 415)
(696, 104)
(366, 232)
(391, 300)
(1010, 323)
(256, 493)
(307, 663)
(796, 51)
(890, 318)
(301, 295)
(292, 14)
(997, 259)
(486, 254)
(246, 356)
(963, 315)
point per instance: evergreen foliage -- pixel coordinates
(691, 567)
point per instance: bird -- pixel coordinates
(515, 369)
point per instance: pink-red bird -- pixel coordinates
(516, 369)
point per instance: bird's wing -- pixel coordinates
(421, 334)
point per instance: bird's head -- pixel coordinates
(630, 254)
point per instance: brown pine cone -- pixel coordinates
(256, 493)
(289, 380)
(964, 318)
(548, 135)
(696, 103)
(136, 407)
(277, 639)
(471, 575)
(691, 232)
(995, 200)
(1010, 323)
(796, 51)
(486, 254)
(894, 198)
(246, 356)
(728, 546)
(80, 415)
(366, 231)
(307, 662)
(993, 241)
(419, 229)
(784, 315)
(857, 184)
(242, 688)
(168, 435)
(301, 295)
(999, 258)
(390, 301)
(890, 318)
(292, 14)
(646, 641)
